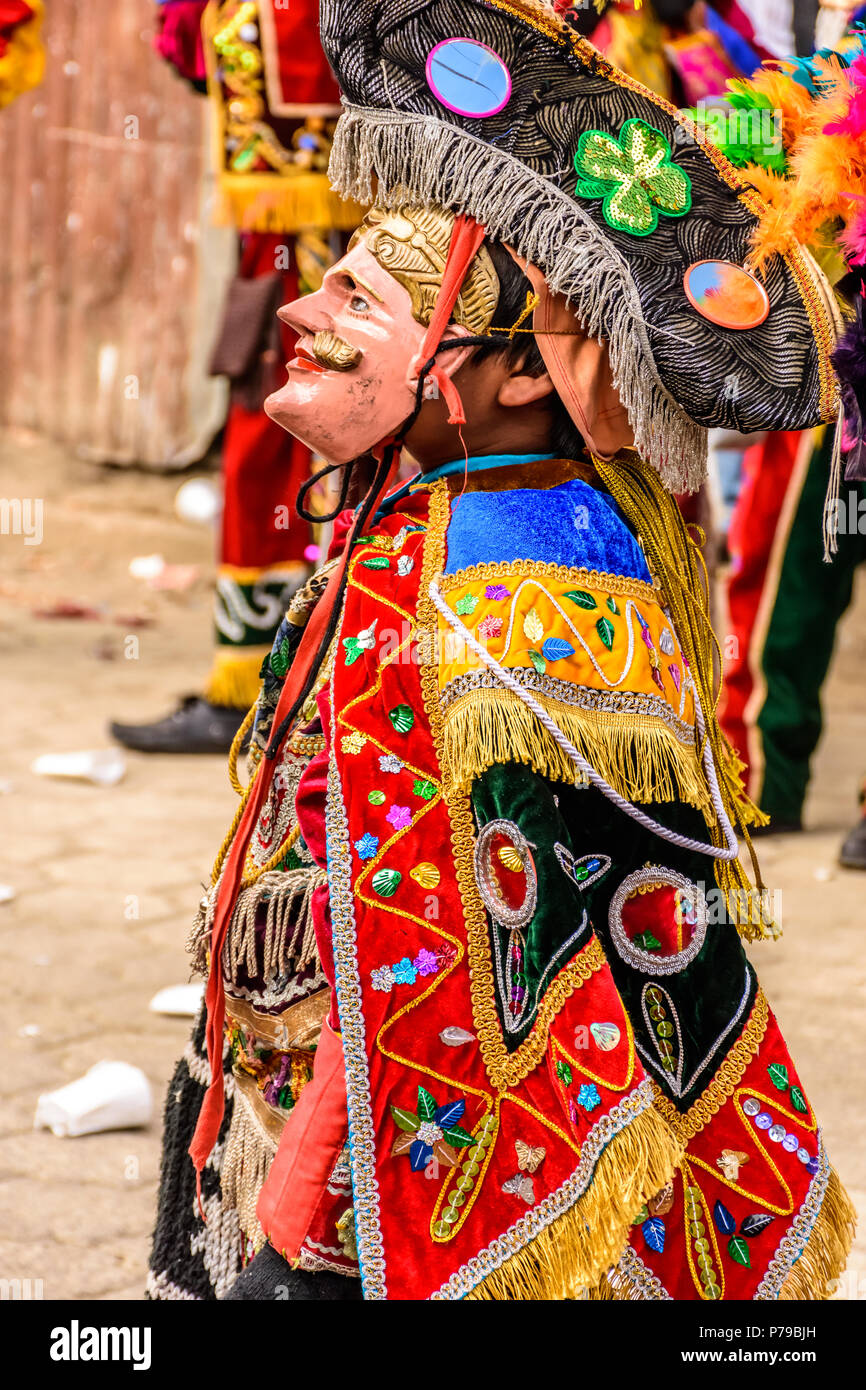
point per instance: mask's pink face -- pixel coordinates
(350, 383)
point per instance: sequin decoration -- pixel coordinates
(432, 1131)
(508, 887)
(606, 1036)
(456, 1037)
(402, 718)
(696, 1220)
(367, 846)
(634, 175)
(426, 874)
(588, 1097)
(466, 1179)
(730, 1161)
(658, 1009)
(583, 871)
(386, 882)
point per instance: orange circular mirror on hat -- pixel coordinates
(726, 294)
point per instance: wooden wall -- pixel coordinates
(111, 275)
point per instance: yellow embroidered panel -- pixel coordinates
(598, 653)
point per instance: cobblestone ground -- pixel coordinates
(107, 881)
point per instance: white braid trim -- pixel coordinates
(731, 849)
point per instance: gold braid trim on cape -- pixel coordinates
(572, 1253)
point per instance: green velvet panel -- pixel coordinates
(707, 994)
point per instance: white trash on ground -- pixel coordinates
(179, 1001)
(103, 766)
(112, 1095)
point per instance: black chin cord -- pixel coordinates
(315, 517)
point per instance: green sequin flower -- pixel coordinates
(634, 175)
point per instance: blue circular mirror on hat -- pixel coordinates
(468, 77)
(726, 294)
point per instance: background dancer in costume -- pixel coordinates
(527, 990)
(274, 104)
(783, 598)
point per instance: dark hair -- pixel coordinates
(523, 349)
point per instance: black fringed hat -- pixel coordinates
(498, 109)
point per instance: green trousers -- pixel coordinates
(811, 598)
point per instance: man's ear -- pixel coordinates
(450, 361)
(522, 389)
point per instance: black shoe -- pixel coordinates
(196, 726)
(852, 855)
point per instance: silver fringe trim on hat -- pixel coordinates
(421, 159)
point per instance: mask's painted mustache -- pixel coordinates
(334, 352)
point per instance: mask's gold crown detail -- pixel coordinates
(412, 243)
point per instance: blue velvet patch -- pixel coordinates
(571, 525)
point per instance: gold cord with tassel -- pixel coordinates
(679, 571)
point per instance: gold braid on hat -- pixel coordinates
(411, 243)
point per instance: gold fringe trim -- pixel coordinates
(289, 204)
(234, 679)
(638, 755)
(247, 1160)
(574, 1251)
(826, 1254)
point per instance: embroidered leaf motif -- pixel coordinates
(581, 598)
(280, 659)
(353, 649)
(467, 604)
(459, 1137)
(538, 661)
(605, 629)
(611, 603)
(426, 1104)
(798, 1100)
(635, 175)
(446, 1154)
(739, 1251)
(405, 1119)
(419, 1156)
(376, 562)
(654, 1233)
(756, 1223)
(563, 1071)
(533, 627)
(778, 1074)
(402, 1144)
(556, 649)
(723, 1219)
(447, 1116)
